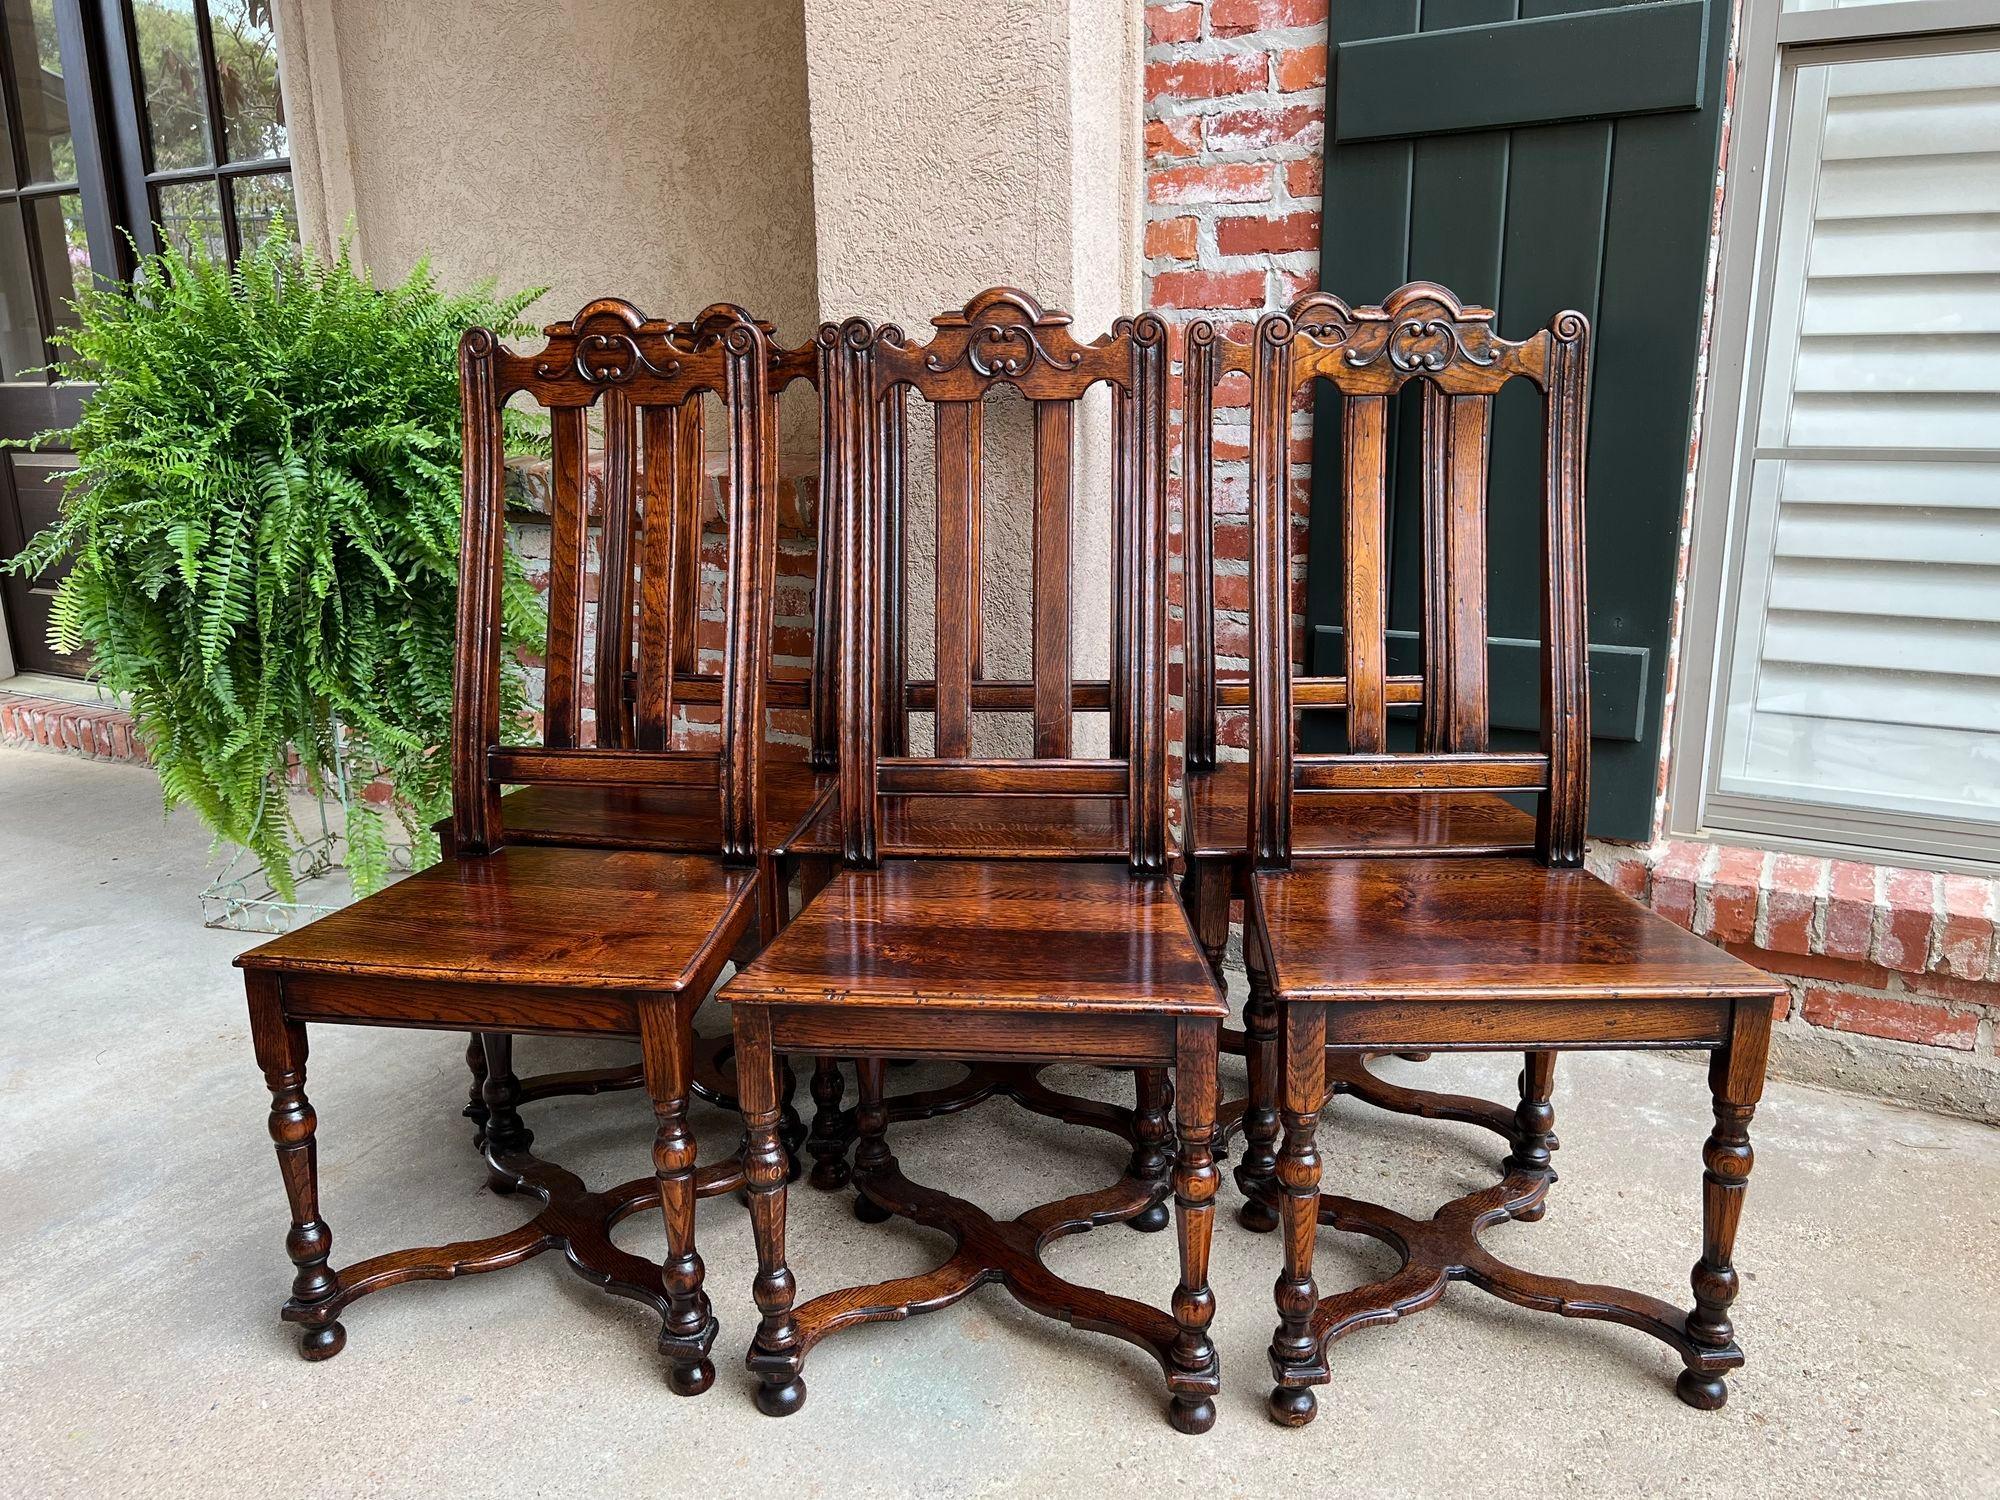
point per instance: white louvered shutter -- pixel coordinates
(1865, 669)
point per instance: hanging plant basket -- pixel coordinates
(262, 531)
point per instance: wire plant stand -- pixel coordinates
(244, 897)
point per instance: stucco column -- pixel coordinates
(956, 145)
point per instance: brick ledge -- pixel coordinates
(1869, 950)
(97, 731)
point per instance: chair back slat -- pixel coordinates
(617, 522)
(569, 537)
(653, 711)
(1456, 429)
(824, 699)
(641, 377)
(1050, 647)
(1420, 334)
(1364, 430)
(1565, 381)
(690, 490)
(1000, 338)
(1199, 372)
(1520, 771)
(605, 767)
(958, 441)
(891, 454)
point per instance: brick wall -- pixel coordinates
(1893, 974)
(1235, 135)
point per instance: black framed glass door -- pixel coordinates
(127, 123)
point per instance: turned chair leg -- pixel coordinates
(1254, 1172)
(1534, 1129)
(1196, 1368)
(828, 1141)
(281, 1053)
(1296, 1361)
(665, 1040)
(475, 1104)
(1736, 1083)
(775, 1357)
(871, 1145)
(1205, 894)
(506, 1132)
(1152, 1143)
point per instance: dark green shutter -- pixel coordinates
(1534, 155)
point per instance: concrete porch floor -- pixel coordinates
(141, 1243)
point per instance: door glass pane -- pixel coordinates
(258, 200)
(246, 66)
(170, 66)
(7, 177)
(190, 214)
(38, 79)
(58, 231)
(20, 336)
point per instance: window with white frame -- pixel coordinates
(1844, 611)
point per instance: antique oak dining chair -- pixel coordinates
(670, 509)
(1217, 791)
(1458, 952)
(1073, 824)
(503, 938)
(1004, 953)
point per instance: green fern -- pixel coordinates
(263, 528)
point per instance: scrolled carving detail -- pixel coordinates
(1414, 345)
(606, 359)
(1148, 330)
(1324, 319)
(1004, 349)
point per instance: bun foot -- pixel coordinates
(1152, 1221)
(1191, 1417)
(316, 1344)
(1532, 1213)
(691, 1380)
(1257, 1216)
(831, 1173)
(1703, 1392)
(868, 1211)
(781, 1400)
(1293, 1405)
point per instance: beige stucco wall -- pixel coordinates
(887, 158)
(654, 150)
(960, 144)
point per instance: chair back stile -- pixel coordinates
(1001, 337)
(647, 379)
(1368, 354)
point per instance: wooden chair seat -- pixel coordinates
(1491, 930)
(666, 818)
(608, 919)
(1363, 823)
(1000, 934)
(985, 827)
